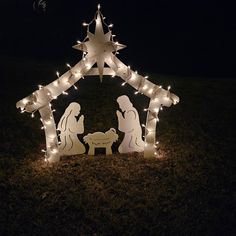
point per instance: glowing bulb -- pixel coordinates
(136, 92)
(157, 142)
(32, 115)
(68, 65)
(144, 87)
(65, 93)
(123, 83)
(169, 87)
(111, 25)
(99, 6)
(42, 150)
(150, 91)
(143, 125)
(54, 150)
(24, 101)
(146, 77)
(75, 87)
(57, 73)
(48, 122)
(78, 42)
(85, 24)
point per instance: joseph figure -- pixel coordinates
(129, 123)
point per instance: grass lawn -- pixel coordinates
(188, 190)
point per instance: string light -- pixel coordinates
(68, 65)
(145, 87)
(150, 91)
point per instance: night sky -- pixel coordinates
(195, 37)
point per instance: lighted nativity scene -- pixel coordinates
(99, 48)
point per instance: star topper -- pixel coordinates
(99, 45)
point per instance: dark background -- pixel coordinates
(195, 37)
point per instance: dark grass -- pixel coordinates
(188, 190)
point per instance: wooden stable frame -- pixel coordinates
(40, 99)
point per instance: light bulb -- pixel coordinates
(150, 91)
(144, 87)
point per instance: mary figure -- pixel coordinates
(69, 127)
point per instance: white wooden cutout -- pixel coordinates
(101, 140)
(128, 123)
(105, 48)
(69, 127)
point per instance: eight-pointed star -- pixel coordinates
(99, 46)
